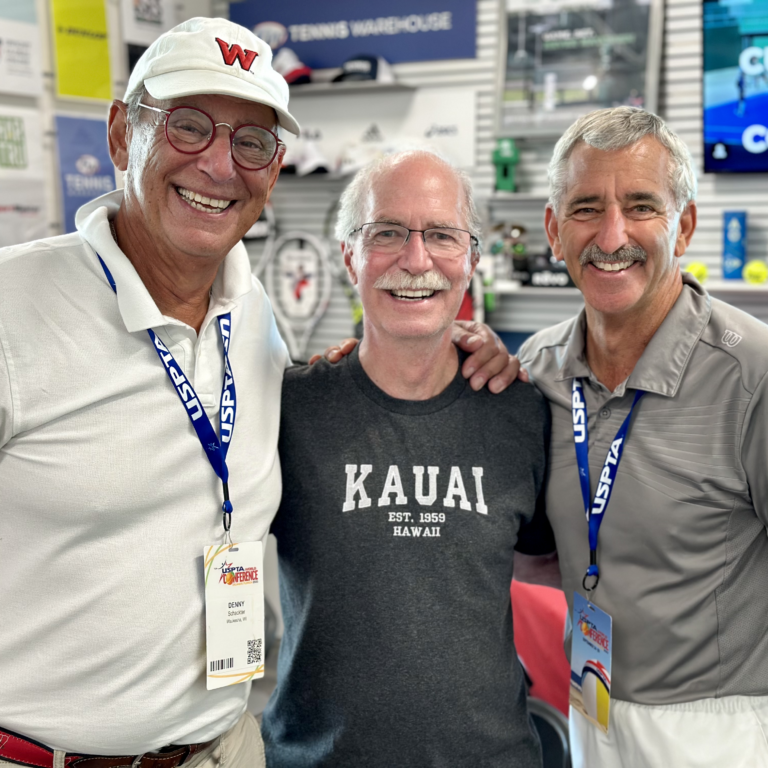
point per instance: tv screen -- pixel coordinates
(735, 86)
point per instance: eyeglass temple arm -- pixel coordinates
(155, 109)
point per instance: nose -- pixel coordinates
(613, 230)
(217, 160)
(414, 257)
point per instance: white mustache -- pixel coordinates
(626, 253)
(405, 281)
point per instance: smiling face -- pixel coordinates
(618, 229)
(411, 294)
(199, 204)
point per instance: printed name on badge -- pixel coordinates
(234, 613)
(591, 650)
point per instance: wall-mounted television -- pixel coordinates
(735, 88)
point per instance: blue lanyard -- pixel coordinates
(215, 449)
(596, 510)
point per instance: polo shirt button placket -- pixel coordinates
(605, 413)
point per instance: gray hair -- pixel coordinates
(353, 199)
(134, 110)
(616, 128)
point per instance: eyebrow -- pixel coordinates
(633, 197)
(435, 225)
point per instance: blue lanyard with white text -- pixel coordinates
(215, 450)
(596, 510)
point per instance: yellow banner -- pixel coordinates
(82, 49)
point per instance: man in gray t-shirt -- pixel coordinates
(405, 496)
(682, 550)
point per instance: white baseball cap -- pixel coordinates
(215, 56)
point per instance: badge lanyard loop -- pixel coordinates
(595, 511)
(215, 449)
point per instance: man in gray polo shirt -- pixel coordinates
(683, 551)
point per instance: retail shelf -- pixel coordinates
(360, 86)
(506, 287)
(735, 286)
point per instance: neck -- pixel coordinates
(415, 369)
(615, 342)
(179, 284)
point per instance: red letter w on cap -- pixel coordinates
(234, 51)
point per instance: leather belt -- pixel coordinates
(23, 751)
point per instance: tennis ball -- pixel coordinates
(698, 270)
(755, 271)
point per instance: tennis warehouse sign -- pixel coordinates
(398, 30)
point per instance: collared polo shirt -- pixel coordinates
(107, 498)
(683, 551)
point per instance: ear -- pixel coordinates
(553, 232)
(117, 134)
(274, 169)
(685, 229)
(348, 254)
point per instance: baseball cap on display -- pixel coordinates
(364, 67)
(287, 63)
(212, 56)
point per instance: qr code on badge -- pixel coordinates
(254, 651)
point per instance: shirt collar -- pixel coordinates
(661, 367)
(136, 305)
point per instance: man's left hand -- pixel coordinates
(489, 360)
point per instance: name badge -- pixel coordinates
(234, 613)
(591, 650)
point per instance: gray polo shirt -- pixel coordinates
(683, 550)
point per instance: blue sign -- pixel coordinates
(327, 34)
(85, 167)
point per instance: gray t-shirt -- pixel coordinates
(395, 536)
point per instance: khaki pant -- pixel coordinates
(240, 747)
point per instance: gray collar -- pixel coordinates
(663, 363)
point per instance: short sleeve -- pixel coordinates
(6, 397)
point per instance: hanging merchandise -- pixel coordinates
(287, 63)
(505, 157)
(363, 67)
(20, 70)
(143, 21)
(82, 49)
(263, 234)
(85, 167)
(22, 177)
(297, 277)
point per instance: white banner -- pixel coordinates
(20, 44)
(22, 211)
(350, 129)
(21, 144)
(145, 20)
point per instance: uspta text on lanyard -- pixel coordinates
(214, 449)
(596, 510)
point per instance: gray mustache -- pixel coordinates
(625, 253)
(405, 281)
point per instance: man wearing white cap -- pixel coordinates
(112, 488)
(108, 497)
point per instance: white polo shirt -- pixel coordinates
(106, 496)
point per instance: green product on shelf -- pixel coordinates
(505, 157)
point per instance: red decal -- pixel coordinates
(234, 51)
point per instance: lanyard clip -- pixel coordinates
(226, 508)
(592, 572)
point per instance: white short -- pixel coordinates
(731, 732)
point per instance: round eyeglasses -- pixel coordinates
(389, 239)
(191, 131)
